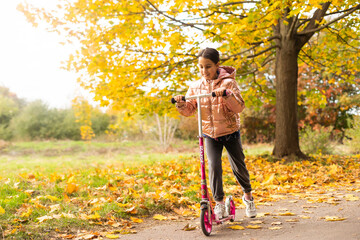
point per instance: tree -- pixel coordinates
(136, 51)
(83, 111)
(10, 106)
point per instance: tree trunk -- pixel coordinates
(286, 71)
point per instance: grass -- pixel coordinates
(107, 178)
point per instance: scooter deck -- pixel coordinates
(221, 220)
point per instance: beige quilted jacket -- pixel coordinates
(220, 115)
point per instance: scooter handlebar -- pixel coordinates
(223, 95)
(173, 101)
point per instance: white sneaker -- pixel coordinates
(250, 207)
(219, 210)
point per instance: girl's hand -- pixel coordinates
(219, 92)
(179, 101)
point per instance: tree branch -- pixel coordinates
(305, 32)
(342, 39)
(292, 27)
(267, 40)
(174, 19)
(264, 51)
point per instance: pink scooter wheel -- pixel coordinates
(206, 222)
(232, 209)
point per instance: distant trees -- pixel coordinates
(36, 121)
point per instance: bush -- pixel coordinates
(37, 122)
(316, 141)
(188, 128)
(353, 135)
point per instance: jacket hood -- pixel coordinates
(224, 72)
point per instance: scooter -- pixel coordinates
(207, 216)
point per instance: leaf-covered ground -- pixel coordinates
(107, 200)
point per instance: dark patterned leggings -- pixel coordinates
(214, 148)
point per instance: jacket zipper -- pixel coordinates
(211, 115)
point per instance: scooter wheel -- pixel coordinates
(232, 209)
(206, 221)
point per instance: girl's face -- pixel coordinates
(208, 68)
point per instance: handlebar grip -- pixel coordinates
(214, 95)
(173, 100)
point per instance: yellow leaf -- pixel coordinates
(275, 228)
(52, 198)
(334, 218)
(27, 213)
(2, 211)
(276, 223)
(257, 222)
(71, 179)
(292, 220)
(72, 187)
(123, 204)
(136, 220)
(236, 227)
(262, 214)
(93, 216)
(351, 197)
(159, 217)
(287, 214)
(253, 226)
(112, 236)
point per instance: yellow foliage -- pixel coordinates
(2, 211)
(159, 217)
(82, 110)
(236, 227)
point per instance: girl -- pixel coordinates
(220, 125)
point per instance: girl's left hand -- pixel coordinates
(219, 92)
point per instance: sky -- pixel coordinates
(30, 59)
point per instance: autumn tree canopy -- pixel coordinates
(135, 54)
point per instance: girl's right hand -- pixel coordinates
(179, 101)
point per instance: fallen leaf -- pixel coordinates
(44, 218)
(131, 210)
(292, 220)
(136, 220)
(93, 216)
(257, 222)
(236, 227)
(72, 187)
(308, 212)
(112, 236)
(52, 198)
(304, 217)
(159, 217)
(351, 197)
(286, 214)
(189, 227)
(334, 218)
(276, 223)
(262, 214)
(253, 226)
(54, 208)
(2, 211)
(127, 231)
(275, 228)
(235, 223)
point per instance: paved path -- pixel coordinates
(308, 221)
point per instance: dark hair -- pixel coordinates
(210, 53)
